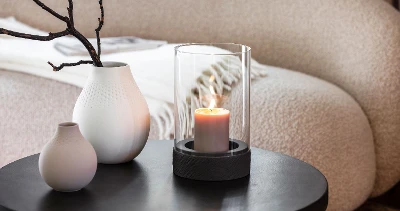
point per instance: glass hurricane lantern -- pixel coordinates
(212, 111)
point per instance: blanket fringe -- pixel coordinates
(222, 77)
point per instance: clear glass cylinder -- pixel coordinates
(212, 98)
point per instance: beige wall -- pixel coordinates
(128, 17)
(190, 20)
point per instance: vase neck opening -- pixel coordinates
(110, 71)
(67, 124)
(68, 128)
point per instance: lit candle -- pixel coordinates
(211, 130)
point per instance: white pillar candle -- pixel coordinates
(211, 130)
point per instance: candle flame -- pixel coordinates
(212, 91)
(212, 104)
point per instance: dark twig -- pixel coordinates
(57, 68)
(70, 12)
(101, 22)
(63, 18)
(51, 36)
(69, 31)
(89, 47)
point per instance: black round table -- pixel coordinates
(276, 182)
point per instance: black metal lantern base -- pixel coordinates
(233, 164)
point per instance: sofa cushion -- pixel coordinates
(319, 123)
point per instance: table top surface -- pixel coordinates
(276, 182)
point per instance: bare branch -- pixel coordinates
(57, 68)
(48, 9)
(69, 31)
(101, 22)
(89, 47)
(70, 12)
(51, 36)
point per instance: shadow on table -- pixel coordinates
(110, 182)
(64, 201)
(202, 195)
(4, 209)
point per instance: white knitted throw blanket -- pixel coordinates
(153, 70)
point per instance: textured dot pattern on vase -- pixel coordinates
(105, 94)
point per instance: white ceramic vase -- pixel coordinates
(68, 162)
(112, 113)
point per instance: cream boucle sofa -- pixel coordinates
(339, 109)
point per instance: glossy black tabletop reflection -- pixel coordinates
(276, 182)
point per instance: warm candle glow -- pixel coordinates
(212, 104)
(211, 126)
(211, 130)
(211, 111)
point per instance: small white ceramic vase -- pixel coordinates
(68, 162)
(112, 113)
